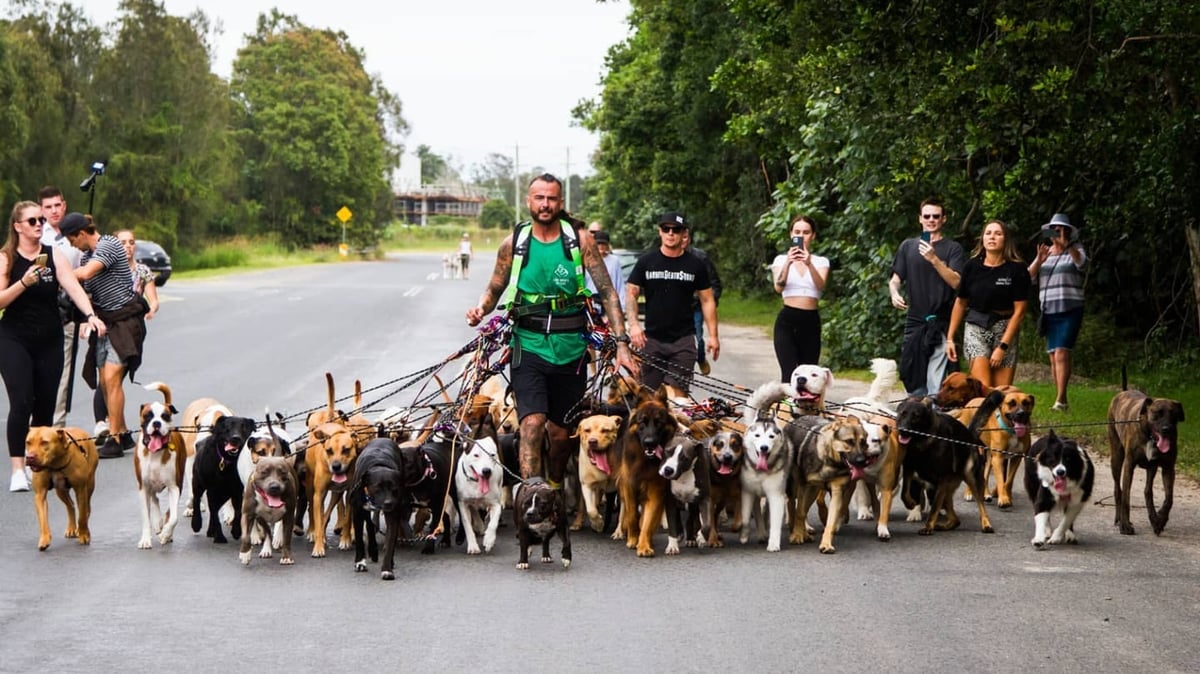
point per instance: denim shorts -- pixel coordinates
(1062, 329)
(105, 353)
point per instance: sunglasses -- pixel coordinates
(670, 230)
(34, 222)
(931, 216)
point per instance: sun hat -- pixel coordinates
(1060, 220)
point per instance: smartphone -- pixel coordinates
(40, 260)
(925, 236)
(798, 242)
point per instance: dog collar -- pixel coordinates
(467, 472)
(430, 471)
(1004, 425)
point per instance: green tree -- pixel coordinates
(317, 131)
(496, 214)
(434, 167)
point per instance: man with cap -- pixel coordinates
(1058, 270)
(670, 276)
(538, 278)
(104, 272)
(54, 207)
(611, 262)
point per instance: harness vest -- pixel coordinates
(549, 316)
(537, 303)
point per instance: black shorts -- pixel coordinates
(540, 387)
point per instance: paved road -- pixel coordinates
(959, 601)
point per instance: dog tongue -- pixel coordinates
(484, 485)
(601, 462)
(1060, 485)
(339, 478)
(1163, 444)
(761, 464)
(1020, 430)
(722, 469)
(155, 442)
(857, 473)
(274, 501)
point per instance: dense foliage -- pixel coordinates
(744, 113)
(301, 131)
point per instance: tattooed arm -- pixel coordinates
(496, 286)
(593, 261)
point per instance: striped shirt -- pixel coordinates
(111, 288)
(1060, 282)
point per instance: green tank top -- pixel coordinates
(549, 272)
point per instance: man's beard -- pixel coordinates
(545, 217)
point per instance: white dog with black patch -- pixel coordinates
(1062, 479)
(766, 462)
(478, 481)
(158, 463)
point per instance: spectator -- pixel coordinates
(800, 277)
(54, 207)
(1058, 270)
(991, 301)
(670, 275)
(106, 275)
(929, 267)
(697, 313)
(31, 357)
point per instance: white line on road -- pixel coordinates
(413, 291)
(433, 276)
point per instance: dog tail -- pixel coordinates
(358, 396)
(161, 388)
(329, 388)
(986, 409)
(887, 374)
(1124, 378)
(765, 396)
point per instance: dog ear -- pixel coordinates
(1179, 409)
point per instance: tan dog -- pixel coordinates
(830, 455)
(599, 458)
(1006, 434)
(329, 461)
(194, 425)
(501, 404)
(960, 388)
(65, 458)
(159, 463)
(725, 481)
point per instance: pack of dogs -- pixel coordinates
(641, 465)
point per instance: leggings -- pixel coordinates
(797, 339)
(31, 368)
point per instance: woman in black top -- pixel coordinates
(31, 354)
(992, 295)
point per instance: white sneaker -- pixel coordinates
(19, 482)
(101, 432)
(1060, 407)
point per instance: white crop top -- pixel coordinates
(799, 285)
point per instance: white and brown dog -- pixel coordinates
(159, 463)
(268, 440)
(809, 383)
(766, 463)
(478, 481)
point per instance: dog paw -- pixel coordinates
(969, 497)
(883, 533)
(700, 542)
(744, 538)
(645, 552)
(598, 525)
(1038, 543)
(318, 553)
(85, 538)
(187, 512)
(865, 515)
(617, 535)
(547, 560)
(1005, 505)
(473, 549)
(672, 545)
(255, 537)
(924, 531)
(1071, 538)
(387, 575)
(797, 539)
(827, 549)
(914, 515)
(1127, 529)
(489, 542)
(988, 529)
(345, 545)
(360, 566)
(70, 532)
(773, 547)
(165, 538)
(716, 541)
(522, 566)
(286, 560)
(266, 553)
(244, 557)
(144, 544)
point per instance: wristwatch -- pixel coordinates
(622, 339)
(1003, 346)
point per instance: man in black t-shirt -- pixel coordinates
(670, 276)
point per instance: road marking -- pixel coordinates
(1055, 569)
(413, 291)
(433, 276)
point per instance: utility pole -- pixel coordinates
(517, 182)
(567, 182)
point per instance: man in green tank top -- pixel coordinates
(546, 295)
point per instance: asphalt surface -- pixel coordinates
(960, 600)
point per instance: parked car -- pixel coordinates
(153, 256)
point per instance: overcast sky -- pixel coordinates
(474, 76)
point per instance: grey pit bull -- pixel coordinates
(269, 497)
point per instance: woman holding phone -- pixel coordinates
(1058, 269)
(799, 276)
(31, 354)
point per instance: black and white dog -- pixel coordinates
(1059, 474)
(689, 507)
(539, 512)
(215, 472)
(478, 480)
(427, 482)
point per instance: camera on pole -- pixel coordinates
(90, 181)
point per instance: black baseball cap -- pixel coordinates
(71, 223)
(672, 218)
(601, 237)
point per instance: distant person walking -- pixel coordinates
(799, 277)
(464, 255)
(991, 302)
(31, 355)
(928, 266)
(1058, 270)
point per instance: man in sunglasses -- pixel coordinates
(929, 266)
(670, 276)
(54, 207)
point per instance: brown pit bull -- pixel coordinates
(1143, 433)
(65, 458)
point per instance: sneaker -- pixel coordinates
(705, 368)
(126, 439)
(101, 431)
(1060, 407)
(111, 449)
(19, 482)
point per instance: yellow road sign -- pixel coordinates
(344, 214)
